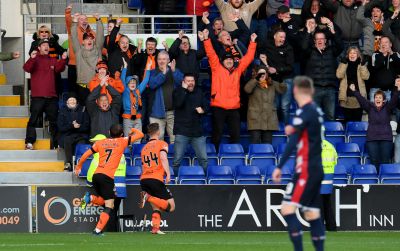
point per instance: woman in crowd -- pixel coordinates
(262, 118)
(352, 71)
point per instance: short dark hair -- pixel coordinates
(112, 21)
(304, 83)
(218, 19)
(151, 39)
(116, 131)
(152, 129)
(278, 29)
(380, 92)
(319, 32)
(189, 74)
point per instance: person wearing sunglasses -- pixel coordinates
(44, 32)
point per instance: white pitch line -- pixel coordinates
(32, 244)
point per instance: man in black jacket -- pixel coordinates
(73, 125)
(103, 114)
(278, 56)
(190, 105)
(187, 59)
(321, 67)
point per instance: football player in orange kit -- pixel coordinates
(154, 167)
(110, 153)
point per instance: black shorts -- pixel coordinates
(156, 188)
(104, 186)
(304, 194)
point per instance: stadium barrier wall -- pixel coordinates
(220, 208)
(15, 209)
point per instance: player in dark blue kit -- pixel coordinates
(303, 191)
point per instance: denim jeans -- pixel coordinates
(324, 97)
(259, 27)
(397, 149)
(199, 146)
(372, 92)
(283, 101)
(129, 124)
(166, 124)
(380, 152)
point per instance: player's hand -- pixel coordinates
(34, 54)
(253, 37)
(289, 129)
(276, 175)
(77, 170)
(16, 54)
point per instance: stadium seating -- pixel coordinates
(389, 173)
(191, 175)
(136, 150)
(80, 149)
(85, 168)
(348, 154)
(261, 155)
(231, 155)
(212, 156)
(356, 132)
(220, 175)
(248, 175)
(279, 137)
(186, 160)
(287, 174)
(340, 175)
(281, 150)
(133, 174)
(334, 132)
(364, 174)
(128, 156)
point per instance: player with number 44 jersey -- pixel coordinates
(154, 167)
(110, 153)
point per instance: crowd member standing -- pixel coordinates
(304, 191)
(352, 70)
(189, 105)
(110, 152)
(43, 69)
(154, 167)
(87, 55)
(225, 88)
(82, 28)
(262, 118)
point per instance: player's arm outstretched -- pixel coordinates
(165, 164)
(135, 135)
(82, 160)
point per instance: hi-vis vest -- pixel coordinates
(329, 160)
(119, 177)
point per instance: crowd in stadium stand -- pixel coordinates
(254, 49)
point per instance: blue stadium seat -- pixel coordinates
(220, 175)
(349, 154)
(279, 137)
(281, 150)
(231, 155)
(248, 175)
(389, 173)
(186, 160)
(191, 175)
(212, 156)
(261, 155)
(136, 150)
(364, 174)
(134, 4)
(287, 174)
(204, 65)
(356, 128)
(360, 140)
(133, 174)
(80, 149)
(85, 168)
(340, 175)
(334, 132)
(245, 141)
(128, 156)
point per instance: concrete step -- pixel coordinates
(39, 178)
(32, 166)
(24, 155)
(19, 144)
(10, 100)
(18, 133)
(6, 90)
(13, 122)
(14, 111)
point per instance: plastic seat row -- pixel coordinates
(367, 174)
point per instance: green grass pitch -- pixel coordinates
(219, 241)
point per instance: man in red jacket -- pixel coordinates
(43, 90)
(225, 88)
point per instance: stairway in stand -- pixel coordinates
(13, 120)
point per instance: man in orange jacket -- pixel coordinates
(225, 88)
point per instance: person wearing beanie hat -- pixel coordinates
(87, 55)
(132, 100)
(103, 75)
(262, 118)
(73, 126)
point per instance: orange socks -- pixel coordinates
(104, 216)
(97, 200)
(160, 203)
(156, 219)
